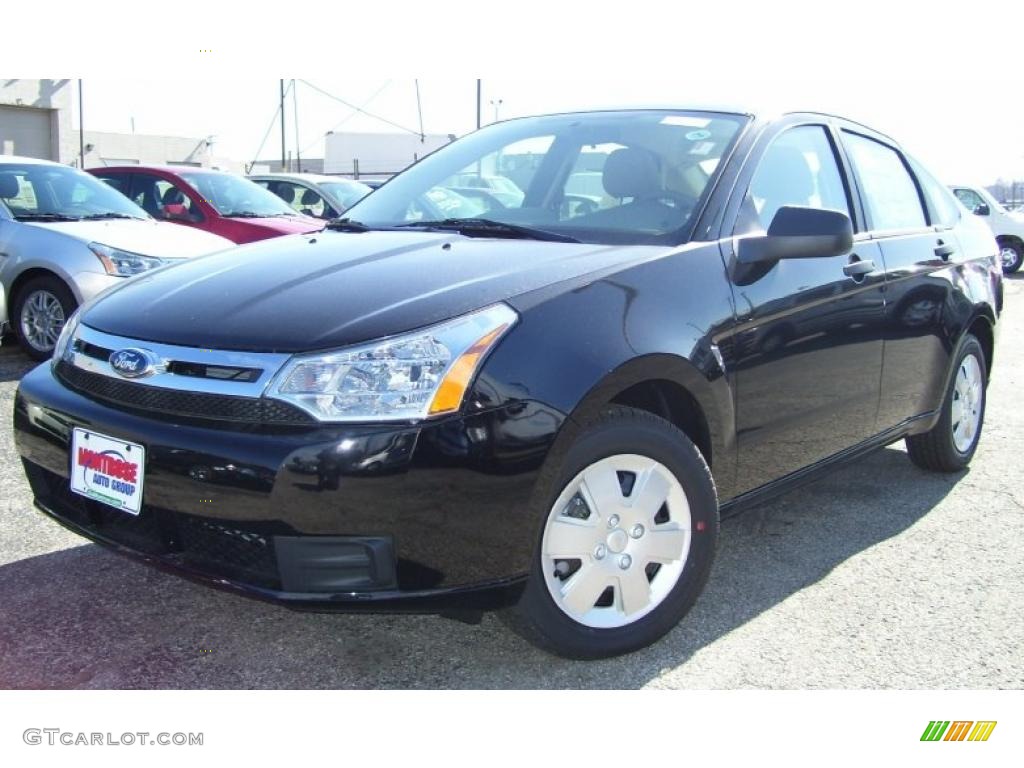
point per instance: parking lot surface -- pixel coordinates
(878, 576)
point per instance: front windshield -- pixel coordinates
(235, 196)
(347, 193)
(39, 191)
(600, 177)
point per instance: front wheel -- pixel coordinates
(949, 446)
(628, 539)
(41, 307)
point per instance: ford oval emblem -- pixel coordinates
(133, 363)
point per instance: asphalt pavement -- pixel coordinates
(877, 576)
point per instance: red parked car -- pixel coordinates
(218, 202)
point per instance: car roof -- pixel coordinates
(19, 160)
(766, 112)
(163, 168)
(313, 177)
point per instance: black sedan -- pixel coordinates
(546, 407)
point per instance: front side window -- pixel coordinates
(235, 197)
(891, 196)
(799, 168)
(42, 191)
(602, 177)
(969, 198)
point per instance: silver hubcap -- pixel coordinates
(1009, 256)
(968, 397)
(616, 541)
(42, 318)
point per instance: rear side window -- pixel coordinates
(890, 195)
(798, 168)
(944, 210)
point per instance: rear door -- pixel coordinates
(920, 251)
(808, 346)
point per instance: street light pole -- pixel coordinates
(496, 103)
(81, 129)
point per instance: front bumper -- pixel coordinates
(396, 517)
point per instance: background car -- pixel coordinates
(214, 201)
(1007, 226)
(322, 197)
(65, 237)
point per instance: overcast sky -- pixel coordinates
(969, 138)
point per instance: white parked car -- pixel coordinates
(323, 197)
(1007, 226)
(65, 236)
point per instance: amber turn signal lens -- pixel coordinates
(456, 381)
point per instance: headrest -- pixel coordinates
(9, 186)
(286, 193)
(173, 196)
(631, 172)
(309, 197)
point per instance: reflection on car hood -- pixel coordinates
(334, 288)
(148, 237)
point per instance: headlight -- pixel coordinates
(413, 376)
(66, 334)
(123, 263)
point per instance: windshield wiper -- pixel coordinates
(46, 217)
(346, 225)
(244, 215)
(491, 228)
(110, 215)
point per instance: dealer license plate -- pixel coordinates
(107, 469)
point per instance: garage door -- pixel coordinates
(26, 131)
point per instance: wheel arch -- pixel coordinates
(31, 273)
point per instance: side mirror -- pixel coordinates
(176, 212)
(797, 232)
(982, 209)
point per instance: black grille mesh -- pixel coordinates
(228, 549)
(250, 410)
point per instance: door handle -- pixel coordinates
(859, 268)
(944, 251)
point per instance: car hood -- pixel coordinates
(285, 225)
(333, 289)
(150, 238)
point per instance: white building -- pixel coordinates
(35, 119)
(377, 154)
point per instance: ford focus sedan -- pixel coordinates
(64, 238)
(546, 408)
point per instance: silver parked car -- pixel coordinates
(65, 236)
(324, 197)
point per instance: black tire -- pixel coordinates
(56, 288)
(621, 430)
(936, 450)
(1015, 247)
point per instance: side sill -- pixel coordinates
(813, 472)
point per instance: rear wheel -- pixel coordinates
(41, 307)
(628, 539)
(1011, 255)
(950, 445)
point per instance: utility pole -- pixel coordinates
(496, 103)
(478, 103)
(283, 150)
(81, 129)
(295, 105)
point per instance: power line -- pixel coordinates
(360, 109)
(350, 115)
